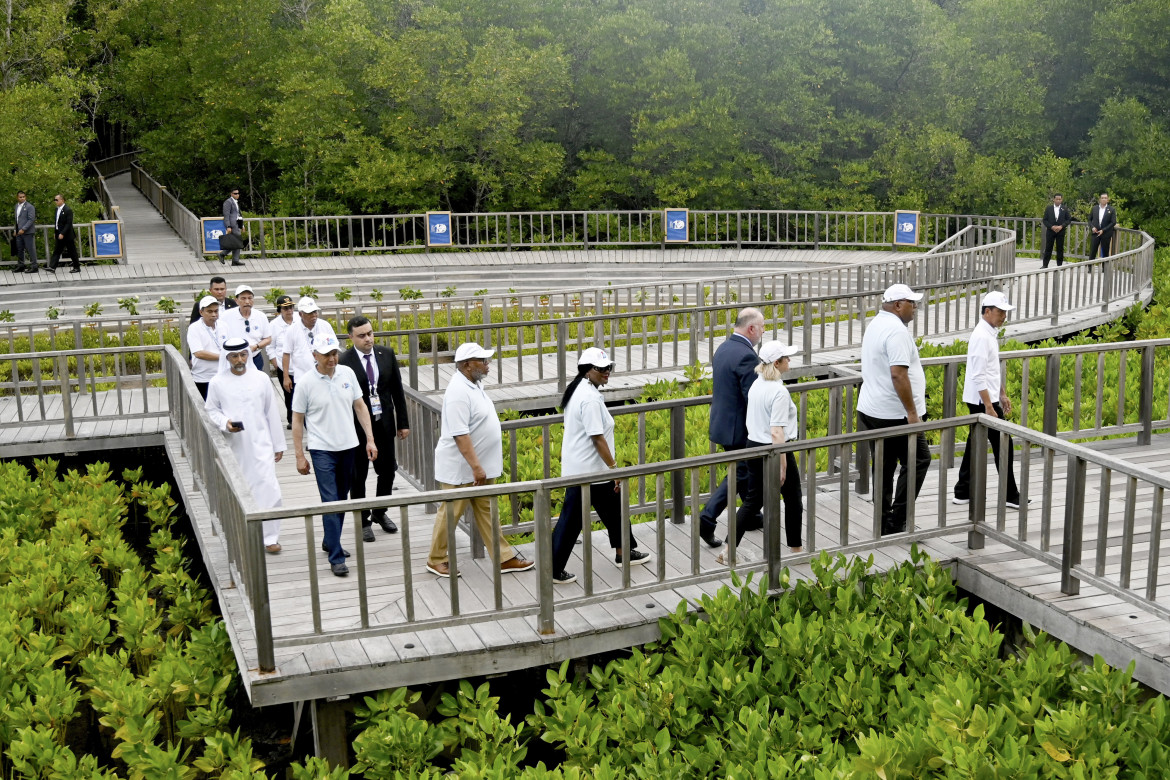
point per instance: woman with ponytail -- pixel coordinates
(588, 447)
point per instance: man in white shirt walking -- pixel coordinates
(205, 340)
(984, 393)
(469, 452)
(297, 359)
(247, 323)
(893, 393)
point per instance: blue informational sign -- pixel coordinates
(906, 228)
(438, 228)
(212, 230)
(677, 224)
(107, 239)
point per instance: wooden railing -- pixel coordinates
(181, 219)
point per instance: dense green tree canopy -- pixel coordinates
(384, 106)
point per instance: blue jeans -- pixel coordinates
(333, 470)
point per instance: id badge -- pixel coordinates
(375, 405)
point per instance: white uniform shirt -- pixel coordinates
(770, 405)
(201, 338)
(467, 410)
(983, 371)
(276, 329)
(252, 330)
(327, 403)
(585, 417)
(299, 347)
(887, 342)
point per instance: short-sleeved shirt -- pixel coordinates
(276, 329)
(201, 338)
(327, 403)
(298, 345)
(982, 365)
(887, 342)
(585, 417)
(467, 411)
(252, 330)
(770, 405)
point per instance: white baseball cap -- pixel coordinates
(243, 288)
(900, 292)
(326, 344)
(774, 350)
(206, 301)
(472, 351)
(595, 356)
(307, 305)
(998, 300)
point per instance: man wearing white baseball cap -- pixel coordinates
(893, 393)
(984, 393)
(469, 452)
(205, 340)
(326, 402)
(247, 323)
(297, 359)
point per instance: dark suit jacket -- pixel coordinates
(1050, 219)
(231, 214)
(229, 303)
(733, 369)
(1104, 225)
(389, 390)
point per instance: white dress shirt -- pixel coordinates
(983, 370)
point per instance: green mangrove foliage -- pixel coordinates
(848, 675)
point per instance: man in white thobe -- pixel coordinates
(241, 403)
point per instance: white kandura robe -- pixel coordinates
(250, 399)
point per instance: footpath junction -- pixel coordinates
(1082, 560)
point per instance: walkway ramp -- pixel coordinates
(149, 239)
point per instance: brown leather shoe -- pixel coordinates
(517, 564)
(273, 548)
(441, 569)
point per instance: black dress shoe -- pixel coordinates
(52, 269)
(339, 569)
(711, 540)
(74, 270)
(222, 259)
(367, 534)
(237, 263)
(326, 549)
(387, 524)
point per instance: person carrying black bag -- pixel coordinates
(233, 224)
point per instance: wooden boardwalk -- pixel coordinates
(150, 240)
(311, 667)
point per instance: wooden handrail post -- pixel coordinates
(1051, 392)
(541, 516)
(772, 514)
(678, 450)
(1146, 397)
(1074, 519)
(977, 509)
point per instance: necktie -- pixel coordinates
(370, 372)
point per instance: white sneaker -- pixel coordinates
(960, 501)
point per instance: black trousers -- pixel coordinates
(287, 393)
(790, 491)
(708, 518)
(606, 503)
(385, 467)
(895, 453)
(963, 484)
(1052, 240)
(202, 388)
(1102, 241)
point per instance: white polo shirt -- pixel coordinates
(201, 338)
(887, 342)
(770, 405)
(467, 411)
(585, 417)
(982, 365)
(276, 329)
(252, 330)
(327, 403)
(299, 347)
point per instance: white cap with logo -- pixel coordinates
(243, 288)
(307, 305)
(998, 300)
(206, 301)
(472, 351)
(595, 356)
(900, 292)
(325, 345)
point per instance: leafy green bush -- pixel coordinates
(846, 675)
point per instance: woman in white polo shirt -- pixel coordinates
(772, 419)
(588, 448)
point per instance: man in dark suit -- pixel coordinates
(1102, 221)
(733, 369)
(376, 368)
(232, 223)
(217, 288)
(1056, 219)
(63, 239)
(26, 235)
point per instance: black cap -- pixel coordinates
(284, 300)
